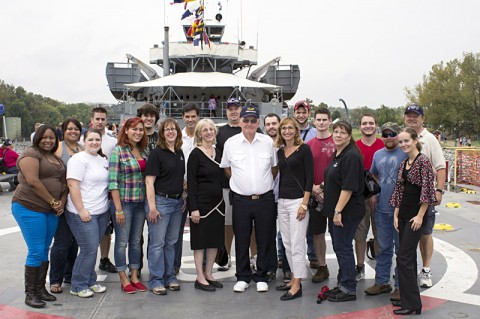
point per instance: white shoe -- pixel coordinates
(240, 286)
(86, 293)
(98, 288)
(425, 279)
(262, 286)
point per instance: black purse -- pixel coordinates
(371, 186)
(222, 257)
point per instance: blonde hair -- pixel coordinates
(296, 140)
(198, 131)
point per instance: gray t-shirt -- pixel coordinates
(385, 166)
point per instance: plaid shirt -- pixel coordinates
(125, 175)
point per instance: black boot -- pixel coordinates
(41, 290)
(32, 298)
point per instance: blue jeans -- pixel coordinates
(179, 245)
(37, 230)
(63, 253)
(162, 238)
(387, 241)
(129, 233)
(88, 236)
(342, 238)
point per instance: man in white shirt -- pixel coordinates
(414, 118)
(251, 161)
(190, 116)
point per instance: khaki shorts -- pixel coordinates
(362, 230)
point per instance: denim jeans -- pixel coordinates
(63, 253)
(37, 230)
(88, 236)
(179, 245)
(342, 238)
(387, 241)
(281, 253)
(162, 238)
(130, 233)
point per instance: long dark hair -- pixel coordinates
(413, 134)
(75, 122)
(39, 135)
(161, 134)
(94, 130)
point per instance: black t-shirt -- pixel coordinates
(152, 142)
(345, 172)
(169, 168)
(411, 198)
(300, 168)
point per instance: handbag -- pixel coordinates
(312, 203)
(222, 257)
(371, 185)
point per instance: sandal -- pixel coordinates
(56, 288)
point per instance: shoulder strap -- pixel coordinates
(305, 132)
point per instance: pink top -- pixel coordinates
(143, 164)
(9, 157)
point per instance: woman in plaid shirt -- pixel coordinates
(127, 185)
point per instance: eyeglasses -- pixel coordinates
(387, 135)
(251, 121)
(170, 129)
(287, 128)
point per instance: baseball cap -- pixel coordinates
(7, 142)
(250, 110)
(391, 126)
(233, 101)
(414, 108)
(302, 103)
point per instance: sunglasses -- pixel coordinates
(251, 121)
(387, 135)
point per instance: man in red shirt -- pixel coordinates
(368, 145)
(323, 148)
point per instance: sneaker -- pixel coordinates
(106, 265)
(240, 286)
(227, 266)
(262, 286)
(314, 264)
(159, 290)
(425, 279)
(98, 288)
(378, 289)
(333, 291)
(321, 274)
(341, 297)
(271, 276)
(174, 286)
(287, 276)
(86, 293)
(253, 262)
(395, 295)
(360, 272)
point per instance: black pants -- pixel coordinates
(407, 264)
(245, 213)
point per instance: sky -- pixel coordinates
(365, 52)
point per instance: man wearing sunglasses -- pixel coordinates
(250, 160)
(368, 145)
(414, 118)
(385, 165)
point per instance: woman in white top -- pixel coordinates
(87, 210)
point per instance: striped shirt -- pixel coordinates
(125, 175)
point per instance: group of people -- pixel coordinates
(231, 181)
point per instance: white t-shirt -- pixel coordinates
(92, 172)
(187, 147)
(432, 148)
(251, 164)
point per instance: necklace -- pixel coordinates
(74, 150)
(210, 154)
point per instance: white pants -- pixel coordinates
(293, 234)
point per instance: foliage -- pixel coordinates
(450, 95)
(33, 108)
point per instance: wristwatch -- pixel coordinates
(305, 207)
(440, 190)
(337, 213)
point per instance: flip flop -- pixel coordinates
(56, 289)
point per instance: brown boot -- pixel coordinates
(42, 291)
(32, 298)
(321, 274)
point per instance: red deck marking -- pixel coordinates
(14, 313)
(385, 312)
